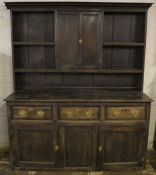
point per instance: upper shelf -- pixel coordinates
(34, 43)
(124, 44)
(48, 70)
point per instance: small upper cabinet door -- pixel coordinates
(91, 39)
(79, 40)
(121, 147)
(78, 146)
(34, 146)
(67, 40)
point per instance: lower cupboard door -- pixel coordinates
(78, 147)
(33, 147)
(121, 148)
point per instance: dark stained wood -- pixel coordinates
(78, 77)
(30, 143)
(31, 112)
(91, 39)
(76, 154)
(68, 36)
(120, 147)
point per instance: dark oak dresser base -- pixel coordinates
(101, 130)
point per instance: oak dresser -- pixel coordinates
(78, 101)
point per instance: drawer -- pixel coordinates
(36, 113)
(125, 113)
(81, 113)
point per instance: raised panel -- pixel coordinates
(79, 146)
(68, 36)
(34, 146)
(91, 39)
(121, 147)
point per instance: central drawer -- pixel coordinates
(82, 113)
(29, 112)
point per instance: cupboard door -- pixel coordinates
(78, 146)
(34, 146)
(121, 147)
(91, 39)
(68, 36)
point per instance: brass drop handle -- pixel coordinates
(100, 148)
(80, 41)
(40, 113)
(23, 112)
(116, 114)
(56, 147)
(88, 114)
(69, 114)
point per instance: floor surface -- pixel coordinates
(5, 169)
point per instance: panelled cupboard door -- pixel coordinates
(67, 40)
(79, 40)
(34, 146)
(121, 148)
(78, 146)
(91, 39)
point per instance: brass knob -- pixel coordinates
(88, 114)
(100, 148)
(56, 148)
(80, 41)
(116, 113)
(40, 113)
(23, 112)
(69, 114)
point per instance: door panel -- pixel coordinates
(68, 35)
(91, 39)
(79, 147)
(34, 146)
(120, 147)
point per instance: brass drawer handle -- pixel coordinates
(69, 114)
(40, 113)
(100, 148)
(134, 113)
(89, 114)
(56, 147)
(116, 113)
(23, 112)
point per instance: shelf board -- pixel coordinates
(124, 44)
(34, 43)
(48, 70)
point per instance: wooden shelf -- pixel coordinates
(34, 43)
(124, 44)
(47, 70)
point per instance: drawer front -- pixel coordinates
(125, 113)
(82, 113)
(36, 113)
